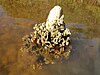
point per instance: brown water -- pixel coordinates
(85, 57)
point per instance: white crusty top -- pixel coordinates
(55, 15)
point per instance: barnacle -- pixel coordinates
(49, 41)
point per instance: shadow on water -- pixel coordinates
(84, 59)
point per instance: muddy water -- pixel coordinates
(84, 60)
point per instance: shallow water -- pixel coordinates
(85, 57)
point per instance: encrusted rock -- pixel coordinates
(49, 40)
(53, 32)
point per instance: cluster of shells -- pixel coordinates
(49, 42)
(50, 39)
(48, 47)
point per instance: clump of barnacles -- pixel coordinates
(50, 41)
